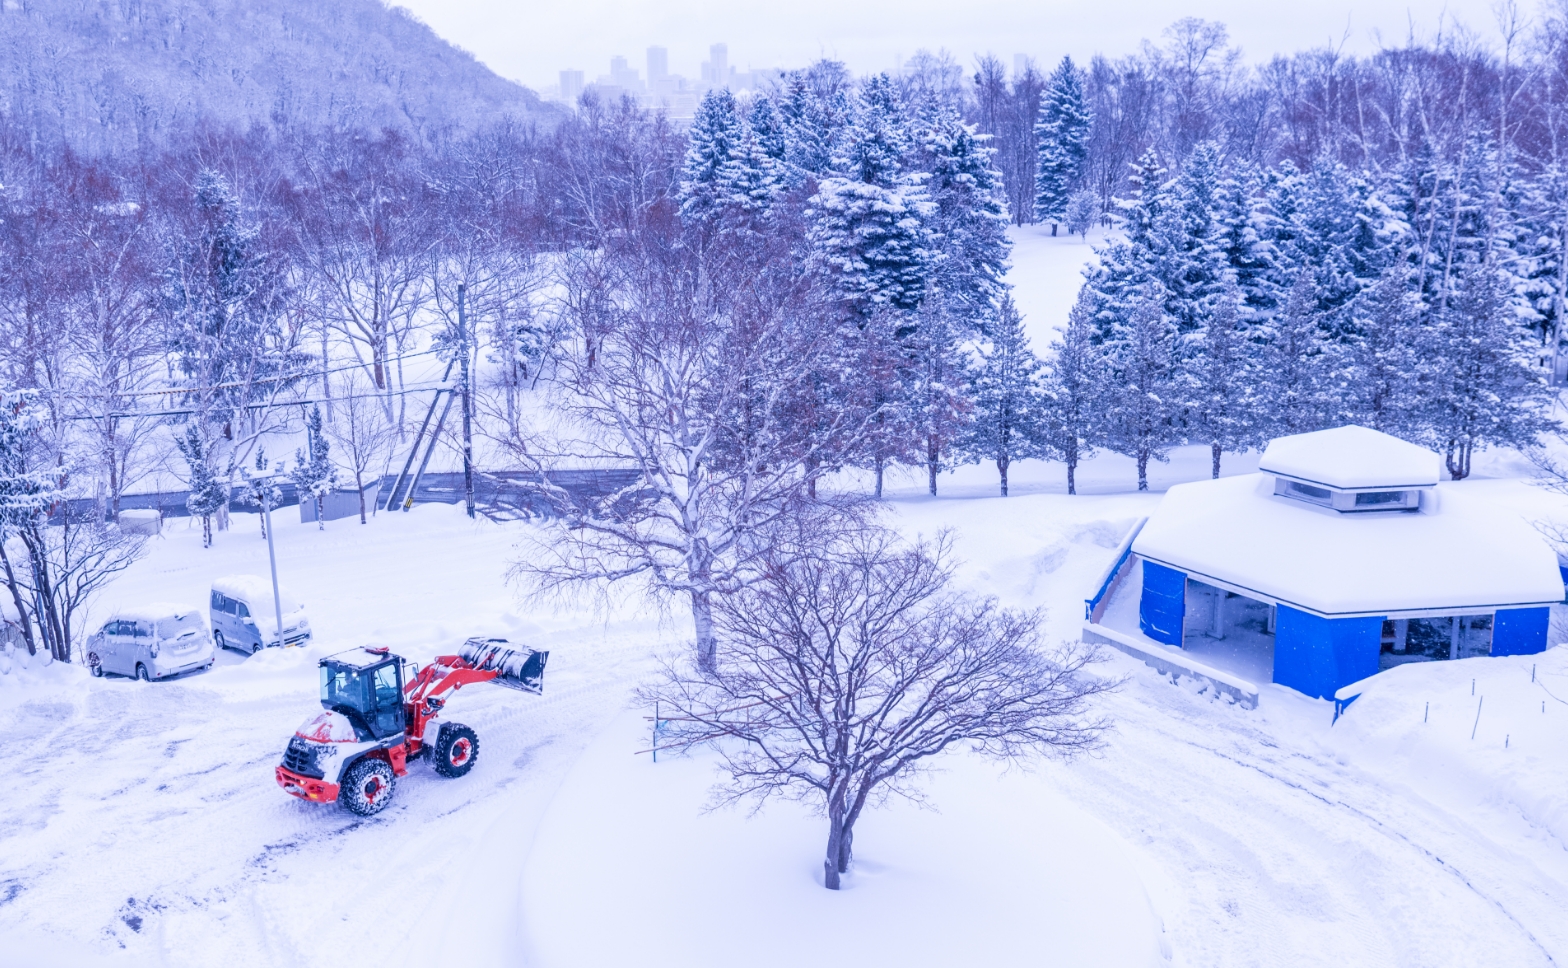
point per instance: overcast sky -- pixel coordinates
(532, 41)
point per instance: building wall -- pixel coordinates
(1316, 656)
(1163, 608)
(1520, 631)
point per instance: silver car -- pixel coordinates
(244, 616)
(151, 642)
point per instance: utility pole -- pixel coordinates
(272, 557)
(468, 432)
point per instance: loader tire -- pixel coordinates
(456, 750)
(367, 787)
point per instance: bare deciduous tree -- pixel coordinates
(360, 431)
(687, 366)
(848, 667)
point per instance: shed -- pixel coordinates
(1342, 556)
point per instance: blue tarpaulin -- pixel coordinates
(1520, 631)
(1164, 603)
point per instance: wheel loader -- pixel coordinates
(376, 719)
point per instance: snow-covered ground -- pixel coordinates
(142, 825)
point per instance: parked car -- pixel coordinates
(244, 615)
(151, 642)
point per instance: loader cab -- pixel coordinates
(366, 686)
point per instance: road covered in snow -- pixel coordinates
(142, 825)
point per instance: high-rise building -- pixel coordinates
(719, 62)
(571, 86)
(658, 65)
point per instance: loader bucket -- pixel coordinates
(520, 668)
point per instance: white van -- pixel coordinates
(244, 616)
(151, 642)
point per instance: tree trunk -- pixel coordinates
(321, 512)
(832, 863)
(1072, 465)
(880, 466)
(1215, 449)
(1143, 470)
(1458, 459)
(16, 598)
(707, 641)
(206, 531)
(1001, 465)
(1053, 230)
(933, 460)
(360, 483)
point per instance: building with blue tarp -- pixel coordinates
(1342, 556)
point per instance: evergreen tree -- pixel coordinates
(1241, 235)
(1074, 381)
(708, 173)
(1482, 385)
(1383, 379)
(1293, 375)
(262, 488)
(1215, 381)
(968, 226)
(1126, 266)
(768, 128)
(939, 406)
(314, 474)
(816, 110)
(1062, 136)
(1083, 207)
(209, 492)
(1138, 397)
(1009, 403)
(868, 223)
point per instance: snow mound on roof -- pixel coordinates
(155, 611)
(255, 590)
(1351, 458)
(1472, 553)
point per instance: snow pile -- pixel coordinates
(1473, 733)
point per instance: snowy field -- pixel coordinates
(142, 826)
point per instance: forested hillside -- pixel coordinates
(115, 75)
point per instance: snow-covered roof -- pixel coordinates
(1459, 553)
(253, 589)
(154, 612)
(1351, 458)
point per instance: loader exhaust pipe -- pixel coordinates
(519, 667)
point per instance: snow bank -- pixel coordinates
(1472, 732)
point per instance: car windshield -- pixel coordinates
(176, 627)
(343, 685)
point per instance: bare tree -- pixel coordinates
(687, 368)
(69, 563)
(360, 431)
(852, 664)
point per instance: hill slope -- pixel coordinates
(116, 74)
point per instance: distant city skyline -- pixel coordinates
(533, 44)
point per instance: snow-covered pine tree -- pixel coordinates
(713, 143)
(969, 225)
(1384, 373)
(1139, 396)
(1127, 265)
(1075, 378)
(768, 128)
(1062, 138)
(868, 223)
(1482, 385)
(1215, 380)
(1009, 421)
(209, 491)
(939, 406)
(1293, 369)
(25, 497)
(314, 474)
(1083, 207)
(1187, 254)
(816, 110)
(1242, 236)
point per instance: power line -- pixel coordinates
(128, 415)
(305, 374)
